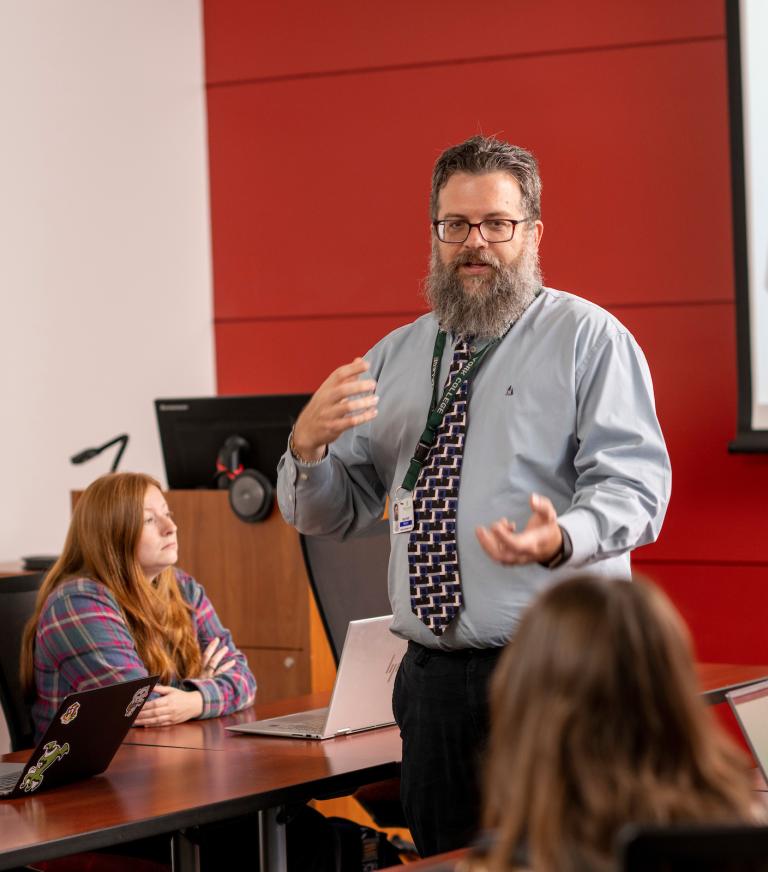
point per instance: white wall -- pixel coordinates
(105, 271)
(105, 286)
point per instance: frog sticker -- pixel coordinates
(52, 752)
(70, 714)
(137, 701)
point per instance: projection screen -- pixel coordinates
(747, 22)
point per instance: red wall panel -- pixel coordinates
(717, 510)
(691, 352)
(247, 39)
(719, 601)
(324, 122)
(292, 356)
(319, 194)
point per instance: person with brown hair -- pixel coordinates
(596, 722)
(114, 607)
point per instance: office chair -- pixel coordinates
(17, 603)
(699, 847)
(348, 579)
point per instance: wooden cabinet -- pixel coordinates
(254, 575)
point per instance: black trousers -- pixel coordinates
(440, 703)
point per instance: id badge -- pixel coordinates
(402, 514)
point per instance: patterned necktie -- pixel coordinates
(433, 565)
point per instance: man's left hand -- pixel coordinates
(539, 542)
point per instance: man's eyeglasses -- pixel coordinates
(492, 229)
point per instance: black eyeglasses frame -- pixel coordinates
(443, 221)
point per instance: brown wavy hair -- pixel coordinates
(487, 154)
(596, 722)
(101, 544)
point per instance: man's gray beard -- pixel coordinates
(494, 302)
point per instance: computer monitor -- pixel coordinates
(193, 431)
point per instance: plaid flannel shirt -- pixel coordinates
(83, 641)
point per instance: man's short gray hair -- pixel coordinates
(486, 154)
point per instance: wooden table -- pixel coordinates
(153, 788)
(717, 679)
(211, 735)
(160, 782)
(346, 763)
(447, 862)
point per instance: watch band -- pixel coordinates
(564, 554)
(296, 456)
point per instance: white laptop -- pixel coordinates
(362, 694)
(750, 705)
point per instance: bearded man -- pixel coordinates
(513, 428)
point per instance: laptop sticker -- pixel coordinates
(70, 714)
(52, 752)
(137, 701)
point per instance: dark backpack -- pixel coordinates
(316, 843)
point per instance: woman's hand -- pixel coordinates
(212, 657)
(173, 706)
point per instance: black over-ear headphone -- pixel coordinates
(251, 495)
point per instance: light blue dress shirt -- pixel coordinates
(562, 407)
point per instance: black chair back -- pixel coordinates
(703, 848)
(349, 579)
(17, 603)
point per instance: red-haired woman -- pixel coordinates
(115, 607)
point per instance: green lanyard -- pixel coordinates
(437, 409)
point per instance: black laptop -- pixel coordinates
(81, 740)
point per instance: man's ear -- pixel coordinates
(538, 229)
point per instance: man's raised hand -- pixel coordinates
(342, 401)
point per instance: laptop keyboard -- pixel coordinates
(306, 722)
(308, 725)
(8, 782)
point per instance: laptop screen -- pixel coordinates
(750, 705)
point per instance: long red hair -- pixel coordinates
(101, 544)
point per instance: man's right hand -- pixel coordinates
(331, 411)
